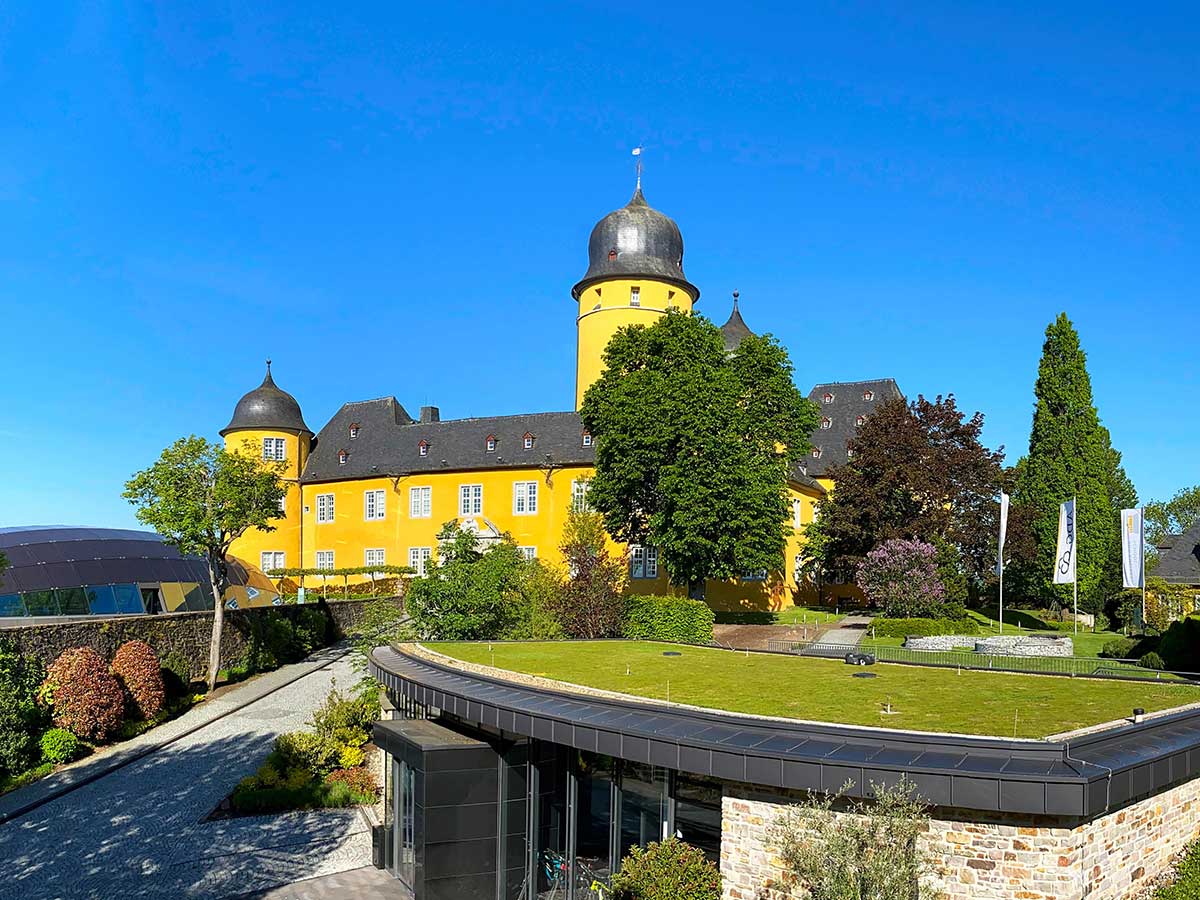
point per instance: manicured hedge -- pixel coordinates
(676, 619)
(924, 627)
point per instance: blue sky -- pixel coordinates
(397, 200)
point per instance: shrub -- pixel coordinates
(901, 578)
(59, 746)
(21, 718)
(924, 627)
(314, 753)
(1180, 645)
(1151, 660)
(676, 619)
(670, 870)
(351, 755)
(176, 674)
(135, 666)
(589, 603)
(358, 779)
(340, 714)
(1118, 648)
(83, 696)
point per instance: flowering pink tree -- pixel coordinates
(901, 577)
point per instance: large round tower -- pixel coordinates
(267, 423)
(635, 274)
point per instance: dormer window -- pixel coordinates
(635, 296)
(423, 448)
(849, 453)
(826, 423)
(343, 456)
(612, 254)
(868, 395)
(527, 441)
(490, 443)
(828, 398)
(353, 430)
(860, 421)
(587, 439)
(816, 452)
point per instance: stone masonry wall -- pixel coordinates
(990, 857)
(187, 633)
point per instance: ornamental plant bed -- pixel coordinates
(920, 699)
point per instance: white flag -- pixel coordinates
(1003, 530)
(1064, 560)
(1133, 564)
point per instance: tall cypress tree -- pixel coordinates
(1069, 455)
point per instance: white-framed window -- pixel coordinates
(849, 453)
(816, 511)
(635, 296)
(324, 508)
(283, 506)
(324, 559)
(343, 456)
(643, 562)
(868, 395)
(420, 502)
(828, 398)
(470, 499)
(816, 452)
(587, 439)
(827, 423)
(527, 441)
(374, 556)
(797, 513)
(418, 559)
(860, 421)
(274, 448)
(269, 560)
(760, 575)
(579, 492)
(423, 448)
(490, 443)
(525, 498)
(374, 505)
(528, 552)
(354, 431)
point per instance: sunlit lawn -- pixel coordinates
(923, 699)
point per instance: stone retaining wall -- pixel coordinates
(1026, 645)
(185, 633)
(989, 857)
(940, 642)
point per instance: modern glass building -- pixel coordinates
(59, 571)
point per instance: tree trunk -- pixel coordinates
(214, 645)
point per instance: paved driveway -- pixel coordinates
(138, 832)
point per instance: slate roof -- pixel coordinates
(1179, 562)
(847, 404)
(735, 330)
(267, 407)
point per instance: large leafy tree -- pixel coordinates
(201, 498)
(918, 471)
(1070, 455)
(1173, 516)
(694, 446)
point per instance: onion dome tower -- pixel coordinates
(267, 424)
(734, 331)
(634, 275)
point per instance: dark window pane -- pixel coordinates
(41, 603)
(11, 605)
(595, 775)
(72, 601)
(698, 813)
(643, 805)
(197, 597)
(129, 598)
(101, 599)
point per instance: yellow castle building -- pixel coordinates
(375, 485)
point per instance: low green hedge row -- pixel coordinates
(893, 628)
(676, 619)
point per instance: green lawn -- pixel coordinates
(923, 699)
(1086, 643)
(791, 615)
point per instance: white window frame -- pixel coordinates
(325, 559)
(325, 509)
(528, 552)
(283, 506)
(420, 502)
(635, 296)
(343, 457)
(354, 431)
(643, 562)
(826, 423)
(274, 449)
(470, 499)
(579, 492)
(490, 445)
(374, 505)
(525, 498)
(760, 575)
(418, 559)
(527, 442)
(797, 512)
(423, 449)
(278, 560)
(587, 439)
(375, 556)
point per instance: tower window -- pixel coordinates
(342, 457)
(612, 254)
(527, 441)
(353, 431)
(274, 449)
(635, 296)
(827, 423)
(490, 443)
(423, 448)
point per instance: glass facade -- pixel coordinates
(89, 599)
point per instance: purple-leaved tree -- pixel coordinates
(901, 577)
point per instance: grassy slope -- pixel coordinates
(927, 699)
(789, 615)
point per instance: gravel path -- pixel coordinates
(849, 631)
(137, 832)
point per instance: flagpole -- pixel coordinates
(1002, 592)
(1075, 557)
(1142, 574)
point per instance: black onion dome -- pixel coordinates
(267, 408)
(636, 241)
(735, 330)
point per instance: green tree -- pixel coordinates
(1174, 516)
(1069, 456)
(201, 498)
(694, 446)
(589, 603)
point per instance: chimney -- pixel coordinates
(430, 414)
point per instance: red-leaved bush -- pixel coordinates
(358, 779)
(83, 695)
(136, 668)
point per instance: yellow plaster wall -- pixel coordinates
(604, 308)
(287, 535)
